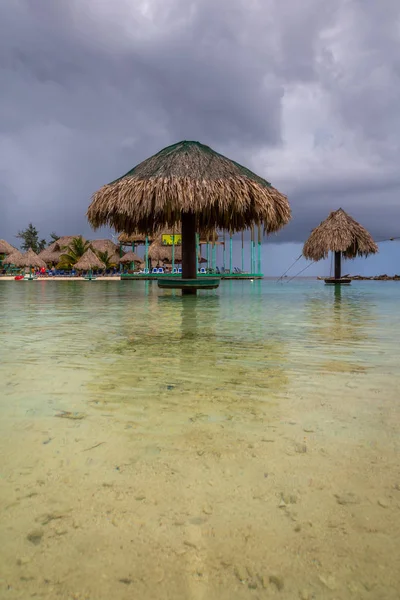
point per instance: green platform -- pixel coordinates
(177, 283)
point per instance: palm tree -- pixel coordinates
(74, 251)
(107, 259)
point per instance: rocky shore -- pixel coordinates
(372, 278)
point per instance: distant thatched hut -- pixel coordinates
(6, 248)
(14, 256)
(104, 246)
(28, 259)
(51, 255)
(130, 257)
(89, 261)
(344, 236)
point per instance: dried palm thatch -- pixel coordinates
(188, 177)
(28, 259)
(130, 257)
(50, 255)
(133, 238)
(104, 246)
(160, 253)
(6, 248)
(339, 233)
(64, 241)
(16, 255)
(88, 261)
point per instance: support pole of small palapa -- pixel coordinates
(338, 265)
(189, 249)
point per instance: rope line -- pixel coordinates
(292, 265)
(299, 273)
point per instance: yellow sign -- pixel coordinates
(170, 240)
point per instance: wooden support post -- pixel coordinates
(189, 270)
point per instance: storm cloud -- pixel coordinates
(304, 93)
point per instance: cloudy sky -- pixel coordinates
(306, 94)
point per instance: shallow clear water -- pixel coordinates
(241, 444)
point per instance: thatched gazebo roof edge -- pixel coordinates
(339, 232)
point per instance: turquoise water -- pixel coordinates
(243, 443)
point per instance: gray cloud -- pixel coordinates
(306, 94)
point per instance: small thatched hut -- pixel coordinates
(51, 255)
(89, 261)
(6, 248)
(130, 257)
(65, 240)
(16, 255)
(134, 238)
(188, 183)
(341, 234)
(104, 246)
(28, 259)
(159, 253)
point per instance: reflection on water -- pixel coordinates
(242, 443)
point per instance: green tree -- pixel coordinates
(53, 237)
(30, 239)
(105, 258)
(73, 253)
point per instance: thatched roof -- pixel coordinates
(50, 255)
(158, 252)
(133, 238)
(6, 248)
(188, 177)
(65, 240)
(104, 246)
(28, 259)
(130, 257)
(16, 255)
(88, 261)
(339, 233)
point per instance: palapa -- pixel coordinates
(6, 248)
(130, 257)
(160, 253)
(89, 261)
(104, 245)
(192, 184)
(28, 259)
(341, 234)
(64, 241)
(51, 254)
(16, 255)
(133, 238)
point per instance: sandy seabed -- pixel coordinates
(236, 500)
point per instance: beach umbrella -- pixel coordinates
(160, 253)
(6, 248)
(192, 184)
(342, 235)
(64, 241)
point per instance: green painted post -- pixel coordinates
(224, 253)
(242, 251)
(173, 252)
(146, 253)
(208, 255)
(197, 251)
(259, 249)
(230, 252)
(120, 255)
(214, 257)
(251, 250)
